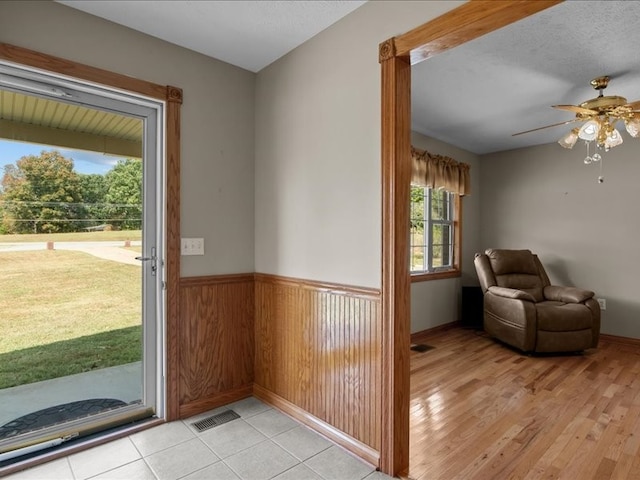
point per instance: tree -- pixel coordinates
(94, 187)
(124, 194)
(94, 191)
(3, 216)
(416, 215)
(41, 194)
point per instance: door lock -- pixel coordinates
(153, 259)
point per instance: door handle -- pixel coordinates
(153, 259)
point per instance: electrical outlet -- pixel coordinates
(192, 246)
(603, 303)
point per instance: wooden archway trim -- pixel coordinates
(173, 98)
(463, 24)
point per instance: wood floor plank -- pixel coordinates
(634, 471)
(623, 467)
(480, 410)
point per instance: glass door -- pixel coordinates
(81, 248)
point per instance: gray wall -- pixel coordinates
(545, 199)
(437, 302)
(317, 149)
(317, 136)
(217, 119)
(318, 205)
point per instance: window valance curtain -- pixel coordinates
(438, 171)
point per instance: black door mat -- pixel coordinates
(421, 347)
(58, 414)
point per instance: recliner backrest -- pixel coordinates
(485, 274)
(519, 269)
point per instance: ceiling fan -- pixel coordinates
(600, 116)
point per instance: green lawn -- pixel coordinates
(113, 235)
(64, 312)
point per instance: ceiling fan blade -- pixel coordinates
(549, 126)
(575, 109)
(634, 105)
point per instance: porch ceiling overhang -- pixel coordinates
(33, 119)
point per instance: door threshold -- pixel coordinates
(77, 444)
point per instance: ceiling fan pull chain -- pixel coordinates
(587, 160)
(601, 177)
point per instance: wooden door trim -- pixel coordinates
(173, 98)
(396, 143)
(458, 26)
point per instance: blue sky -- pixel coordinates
(83, 161)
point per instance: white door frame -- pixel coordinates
(152, 113)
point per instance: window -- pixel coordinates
(434, 233)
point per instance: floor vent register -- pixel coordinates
(215, 420)
(421, 347)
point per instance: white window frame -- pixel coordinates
(452, 220)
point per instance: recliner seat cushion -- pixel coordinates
(562, 317)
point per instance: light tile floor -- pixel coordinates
(263, 444)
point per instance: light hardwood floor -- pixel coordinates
(480, 410)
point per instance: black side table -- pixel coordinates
(472, 312)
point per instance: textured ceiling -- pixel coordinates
(248, 34)
(474, 96)
(477, 95)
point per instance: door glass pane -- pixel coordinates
(71, 210)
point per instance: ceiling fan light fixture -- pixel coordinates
(633, 127)
(589, 131)
(570, 139)
(613, 139)
(600, 116)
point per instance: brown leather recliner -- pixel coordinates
(523, 309)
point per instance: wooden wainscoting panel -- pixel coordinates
(318, 347)
(216, 341)
(214, 401)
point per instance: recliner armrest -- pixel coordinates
(511, 293)
(567, 294)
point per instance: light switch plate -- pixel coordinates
(192, 246)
